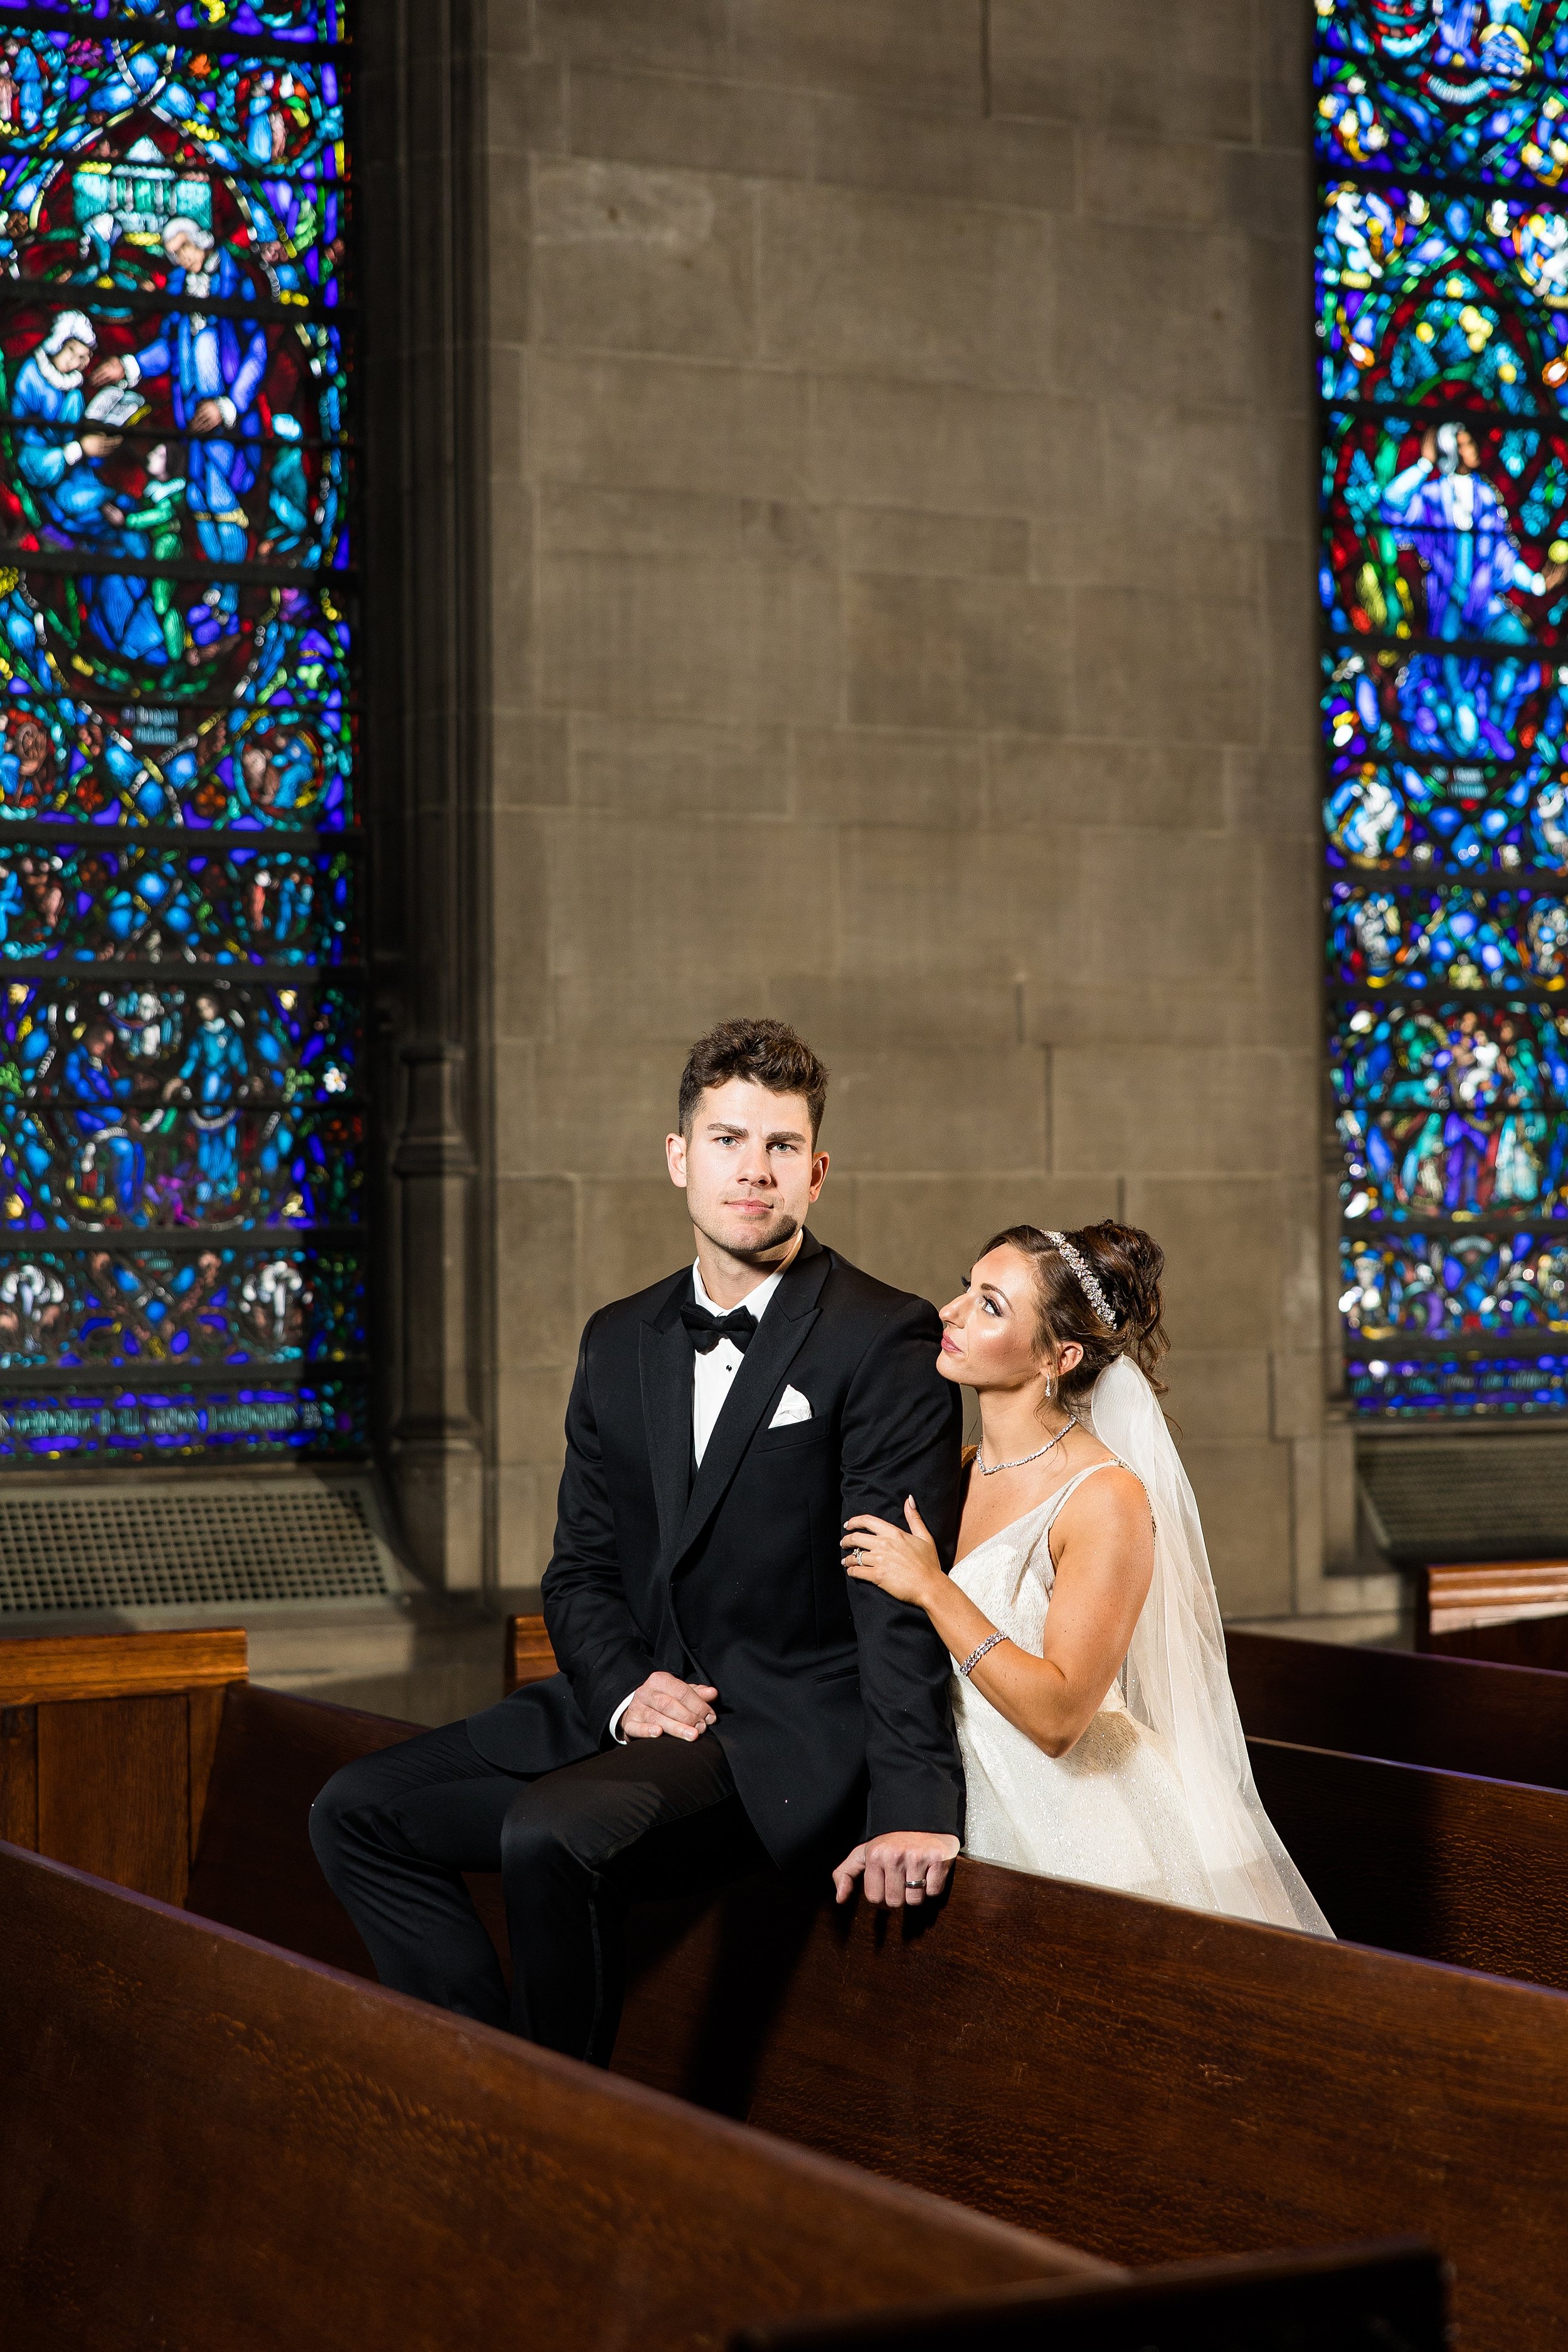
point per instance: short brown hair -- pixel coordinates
(1127, 1264)
(768, 1053)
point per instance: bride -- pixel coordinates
(1098, 1732)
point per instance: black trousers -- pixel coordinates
(393, 1833)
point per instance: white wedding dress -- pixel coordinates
(1157, 1797)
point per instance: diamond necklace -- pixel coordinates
(989, 1469)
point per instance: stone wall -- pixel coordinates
(901, 531)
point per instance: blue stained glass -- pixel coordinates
(1451, 1110)
(181, 1120)
(158, 1420)
(264, 20)
(65, 1310)
(104, 904)
(1422, 1287)
(1455, 1385)
(1446, 935)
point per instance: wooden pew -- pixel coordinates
(1151, 2083)
(1505, 1723)
(1368, 2299)
(205, 2142)
(1441, 1865)
(1510, 1612)
(255, 1868)
(118, 2029)
(132, 1714)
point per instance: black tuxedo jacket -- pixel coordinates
(833, 1705)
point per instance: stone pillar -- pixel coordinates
(422, 370)
(437, 1456)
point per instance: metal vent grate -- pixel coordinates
(1501, 1497)
(169, 1546)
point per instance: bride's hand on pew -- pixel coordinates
(904, 1561)
(902, 1867)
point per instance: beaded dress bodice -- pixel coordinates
(1112, 1809)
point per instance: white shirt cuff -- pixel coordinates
(71, 453)
(130, 369)
(616, 1732)
(227, 409)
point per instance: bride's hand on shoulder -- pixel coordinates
(902, 1560)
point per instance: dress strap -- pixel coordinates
(1065, 1494)
(1073, 1484)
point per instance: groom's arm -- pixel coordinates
(590, 1624)
(903, 1432)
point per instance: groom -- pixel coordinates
(728, 1697)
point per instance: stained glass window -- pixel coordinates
(181, 1120)
(1442, 319)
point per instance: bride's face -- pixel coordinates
(990, 1335)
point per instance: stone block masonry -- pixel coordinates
(902, 519)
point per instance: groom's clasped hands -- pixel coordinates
(665, 1707)
(897, 1868)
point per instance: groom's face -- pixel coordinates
(747, 1168)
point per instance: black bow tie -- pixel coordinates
(739, 1325)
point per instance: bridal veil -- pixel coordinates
(1175, 1680)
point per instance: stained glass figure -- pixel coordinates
(181, 1110)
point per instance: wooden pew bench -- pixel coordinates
(1512, 1613)
(207, 2142)
(1152, 2084)
(734, 2002)
(1505, 1723)
(204, 2142)
(133, 1716)
(1436, 1863)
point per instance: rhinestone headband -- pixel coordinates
(1090, 1286)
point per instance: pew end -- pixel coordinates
(1354, 2299)
(107, 1744)
(527, 1656)
(1510, 1612)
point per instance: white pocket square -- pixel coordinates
(793, 1407)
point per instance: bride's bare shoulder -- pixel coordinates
(1114, 1493)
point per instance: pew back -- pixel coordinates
(205, 2142)
(1434, 1863)
(1152, 2082)
(1438, 1864)
(1365, 2299)
(1458, 1598)
(1512, 1613)
(1504, 1723)
(106, 1742)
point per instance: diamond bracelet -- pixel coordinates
(967, 1668)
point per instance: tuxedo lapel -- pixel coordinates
(779, 1339)
(664, 1370)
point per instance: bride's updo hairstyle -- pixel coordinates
(1127, 1265)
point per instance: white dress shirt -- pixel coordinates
(711, 1374)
